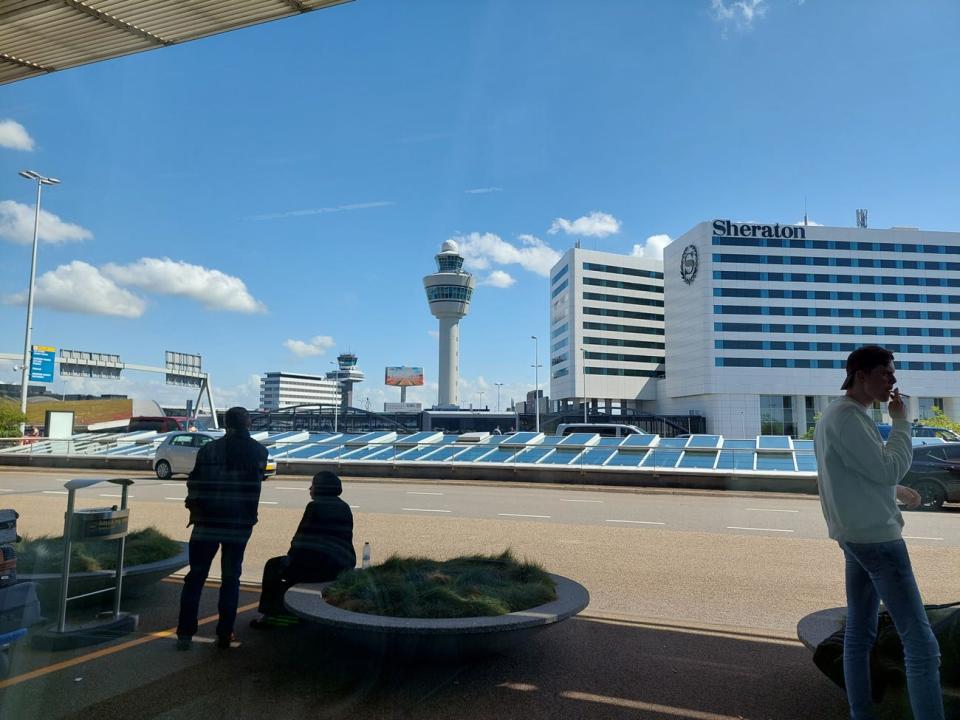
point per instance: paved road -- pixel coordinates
(710, 512)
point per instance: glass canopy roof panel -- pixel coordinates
(522, 438)
(472, 453)
(698, 459)
(776, 461)
(427, 436)
(561, 457)
(672, 442)
(773, 442)
(532, 455)
(500, 455)
(285, 450)
(627, 459)
(595, 456)
(381, 436)
(610, 441)
(551, 440)
(806, 462)
(365, 452)
(327, 452)
(735, 459)
(578, 440)
(665, 458)
(704, 441)
(415, 453)
(739, 444)
(639, 441)
(803, 445)
(441, 453)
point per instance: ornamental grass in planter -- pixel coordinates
(466, 586)
(44, 554)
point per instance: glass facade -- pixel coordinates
(776, 415)
(449, 263)
(927, 405)
(438, 293)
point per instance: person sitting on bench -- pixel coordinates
(320, 550)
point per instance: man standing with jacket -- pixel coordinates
(858, 476)
(223, 492)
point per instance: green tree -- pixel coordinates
(940, 419)
(10, 419)
(808, 435)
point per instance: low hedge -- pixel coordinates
(44, 554)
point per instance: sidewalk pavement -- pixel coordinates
(594, 666)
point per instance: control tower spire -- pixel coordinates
(449, 291)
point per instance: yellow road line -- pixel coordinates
(80, 659)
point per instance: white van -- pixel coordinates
(604, 429)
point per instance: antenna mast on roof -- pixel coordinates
(804, 210)
(861, 218)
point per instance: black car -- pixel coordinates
(935, 474)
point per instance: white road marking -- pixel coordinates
(168, 498)
(173, 484)
(354, 506)
(424, 510)
(54, 492)
(271, 487)
(637, 522)
(119, 496)
(267, 502)
(771, 510)
(5, 490)
(918, 537)
(737, 527)
(413, 492)
(583, 501)
(521, 515)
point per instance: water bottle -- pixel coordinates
(365, 563)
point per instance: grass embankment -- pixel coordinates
(45, 553)
(86, 412)
(467, 586)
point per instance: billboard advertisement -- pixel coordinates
(403, 376)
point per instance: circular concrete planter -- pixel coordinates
(436, 638)
(136, 580)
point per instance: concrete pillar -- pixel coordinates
(449, 370)
(800, 414)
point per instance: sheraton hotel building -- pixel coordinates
(749, 325)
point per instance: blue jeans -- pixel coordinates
(202, 553)
(882, 571)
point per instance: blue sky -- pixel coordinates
(281, 190)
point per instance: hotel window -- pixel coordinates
(776, 415)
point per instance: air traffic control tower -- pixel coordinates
(449, 291)
(347, 375)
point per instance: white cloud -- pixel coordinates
(13, 135)
(740, 13)
(480, 251)
(483, 190)
(499, 279)
(596, 224)
(16, 225)
(653, 248)
(215, 290)
(81, 288)
(324, 210)
(810, 223)
(316, 345)
(435, 334)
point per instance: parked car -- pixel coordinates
(935, 474)
(160, 424)
(604, 429)
(177, 454)
(922, 431)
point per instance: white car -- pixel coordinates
(178, 454)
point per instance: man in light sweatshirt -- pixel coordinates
(858, 476)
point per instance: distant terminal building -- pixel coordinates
(284, 389)
(754, 322)
(606, 331)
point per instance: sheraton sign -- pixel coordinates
(731, 229)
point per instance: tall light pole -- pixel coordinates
(480, 393)
(536, 380)
(584, 351)
(336, 403)
(25, 375)
(499, 385)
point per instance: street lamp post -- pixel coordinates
(499, 385)
(536, 380)
(584, 351)
(25, 373)
(480, 393)
(336, 403)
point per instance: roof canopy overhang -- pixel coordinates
(43, 36)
